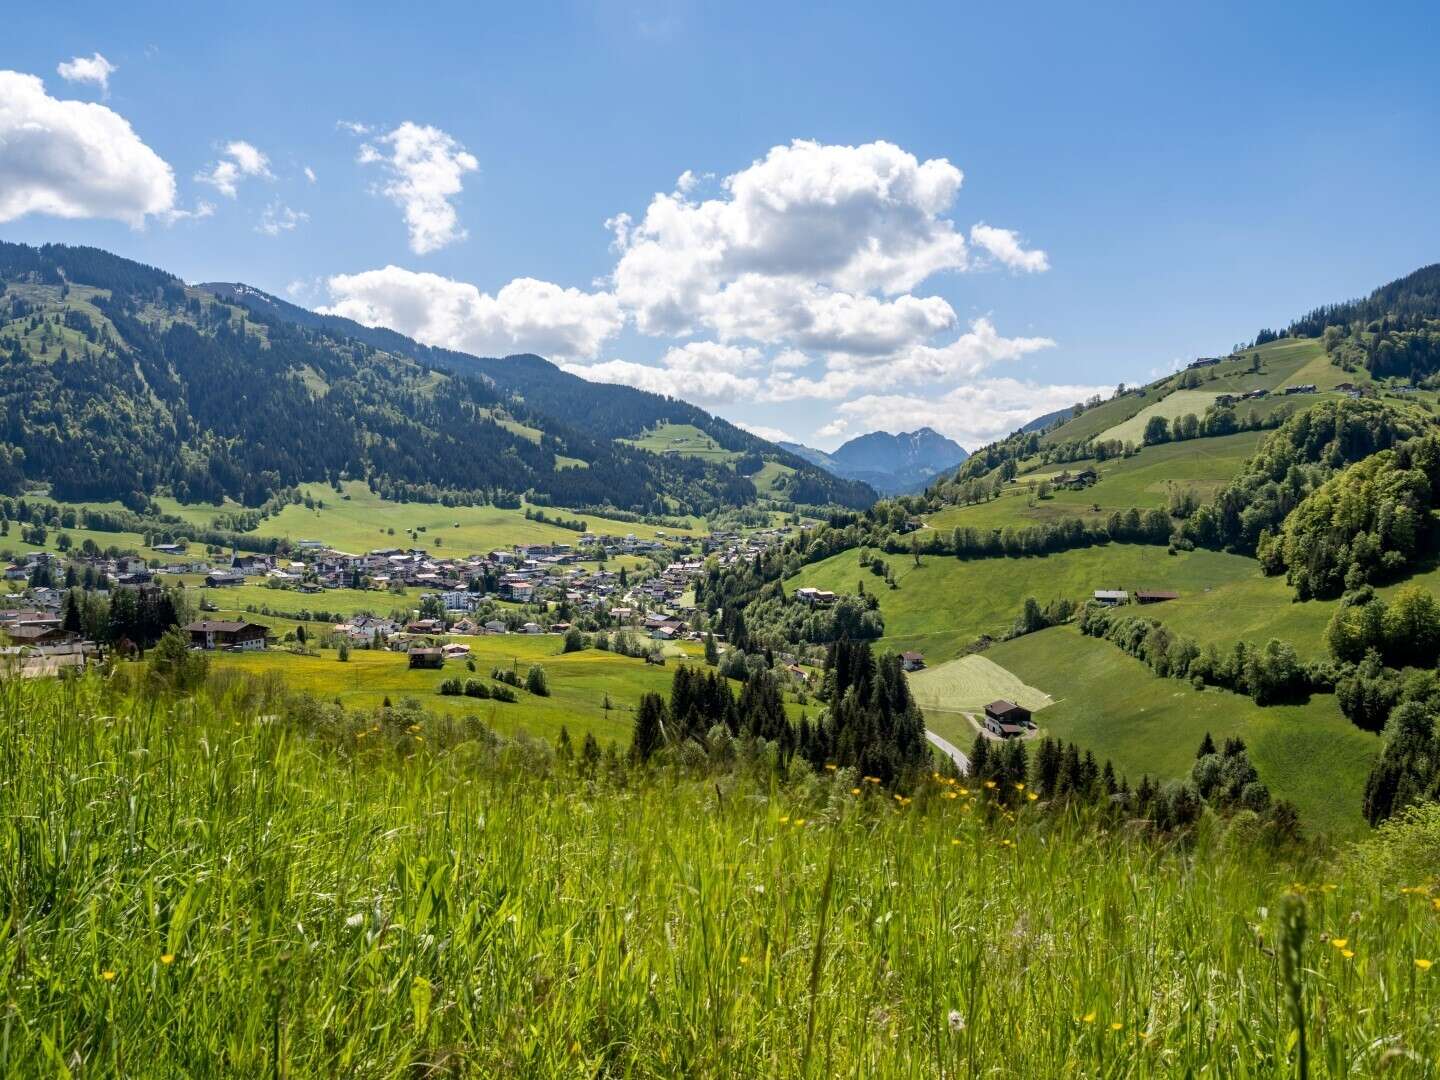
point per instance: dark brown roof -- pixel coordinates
(223, 626)
(1157, 594)
(1002, 707)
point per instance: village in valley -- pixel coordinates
(419, 602)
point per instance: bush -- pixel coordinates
(503, 693)
(451, 688)
(476, 689)
(536, 682)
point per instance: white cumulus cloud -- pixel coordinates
(88, 69)
(972, 414)
(1004, 247)
(425, 169)
(765, 431)
(238, 161)
(828, 219)
(75, 159)
(701, 387)
(526, 315)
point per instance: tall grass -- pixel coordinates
(212, 888)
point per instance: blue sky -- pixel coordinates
(1151, 183)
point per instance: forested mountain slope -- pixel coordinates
(119, 381)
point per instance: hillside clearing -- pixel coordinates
(1111, 703)
(944, 604)
(1179, 403)
(968, 684)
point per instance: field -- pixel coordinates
(968, 684)
(1144, 482)
(199, 889)
(1173, 405)
(580, 682)
(683, 439)
(358, 520)
(1109, 702)
(945, 603)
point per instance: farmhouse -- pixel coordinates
(1006, 719)
(1205, 361)
(815, 597)
(223, 634)
(1155, 596)
(217, 578)
(1112, 597)
(912, 661)
(426, 658)
(1302, 388)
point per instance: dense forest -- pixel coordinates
(119, 382)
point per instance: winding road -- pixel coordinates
(945, 746)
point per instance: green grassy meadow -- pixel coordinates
(968, 684)
(944, 604)
(1111, 703)
(682, 439)
(1144, 482)
(1172, 405)
(219, 886)
(579, 682)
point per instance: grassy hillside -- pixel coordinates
(685, 440)
(262, 894)
(1144, 481)
(1172, 405)
(944, 604)
(1110, 702)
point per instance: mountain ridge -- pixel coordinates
(122, 382)
(890, 463)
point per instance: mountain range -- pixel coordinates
(891, 464)
(120, 381)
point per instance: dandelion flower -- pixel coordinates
(990, 785)
(167, 958)
(744, 960)
(956, 1021)
(799, 821)
(1089, 1017)
(1348, 954)
(955, 843)
(1423, 965)
(1019, 786)
(1116, 1026)
(108, 975)
(1339, 942)
(1032, 796)
(854, 791)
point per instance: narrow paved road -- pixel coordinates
(948, 748)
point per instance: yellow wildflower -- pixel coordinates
(799, 821)
(167, 958)
(1423, 965)
(744, 959)
(854, 791)
(107, 975)
(1032, 796)
(1019, 786)
(831, 767)
(784, 819)
(1339, 942)
(990, 785)
(1116, 1026)
(1348, 954)
(1089, 1017)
